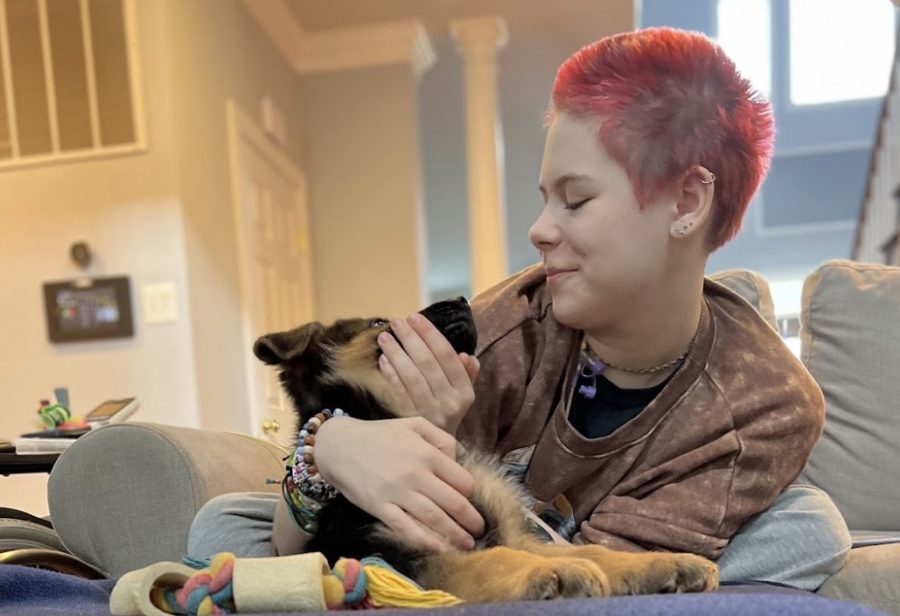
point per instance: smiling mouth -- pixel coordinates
(557, 274)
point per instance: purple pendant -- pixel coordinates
(590, 368)
(588, 391)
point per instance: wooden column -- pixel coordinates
(477, 41)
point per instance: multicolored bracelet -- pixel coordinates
(304, 489)
(303, 509)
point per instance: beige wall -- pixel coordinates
(127, 209)
(362, 153)
(163, 215)
(221, 53)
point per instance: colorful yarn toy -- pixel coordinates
(367, 584)
(372, 583)
(206, 593)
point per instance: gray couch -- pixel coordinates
(124, 496)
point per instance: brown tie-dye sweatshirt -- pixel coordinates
(731, 429)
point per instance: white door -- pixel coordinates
(269, 196)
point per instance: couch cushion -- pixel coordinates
(752, 287)
(850, 342)
(870, 577)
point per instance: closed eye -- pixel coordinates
(576, 205)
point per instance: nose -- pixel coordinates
(544, 233)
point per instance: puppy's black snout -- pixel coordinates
(454, 318)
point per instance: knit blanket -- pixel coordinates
(27, 591)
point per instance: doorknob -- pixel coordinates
(270, 426)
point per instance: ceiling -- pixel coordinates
(566, 21)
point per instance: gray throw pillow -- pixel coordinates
(850, 341)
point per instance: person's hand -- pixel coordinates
(430, 378)
(403, 472)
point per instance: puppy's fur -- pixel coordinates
(337, 367)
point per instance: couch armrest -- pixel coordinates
(123, 497)
(870, 576)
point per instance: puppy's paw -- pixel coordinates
(668, 573)
(566, 578)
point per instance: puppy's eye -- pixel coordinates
(377, 322)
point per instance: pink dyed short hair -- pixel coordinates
(671, 99)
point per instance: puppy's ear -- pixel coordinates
(280, 347)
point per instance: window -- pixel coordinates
(744, 33)
(787, 299)
(67, 82)
(839, 50)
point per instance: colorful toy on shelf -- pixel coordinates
(53, 415)
(58, 414)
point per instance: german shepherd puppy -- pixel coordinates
(337, 367)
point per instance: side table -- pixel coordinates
(15, 464)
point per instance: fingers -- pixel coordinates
(441, 349)
(401, 523)
(430, 377)
(409, 375)
(434, 435)
(387, 369)
(455, 501)
(428, 512)
(471, 364)
(417, 486)
(458, 508)
(426, 358)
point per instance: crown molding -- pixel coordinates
(363, 46)
(400, 42)
(277, 21)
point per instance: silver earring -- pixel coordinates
(712, 178)
(679, 231)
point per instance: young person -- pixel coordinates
(644, 406)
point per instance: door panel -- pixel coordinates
(276, 272)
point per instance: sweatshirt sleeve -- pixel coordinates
(777, 423)
(677, 506)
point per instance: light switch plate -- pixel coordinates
(160, 302)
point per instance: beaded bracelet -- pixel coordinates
(304, 490)
(303, 469)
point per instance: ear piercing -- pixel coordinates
(682, 229)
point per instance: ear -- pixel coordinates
(277, 348)
(695, 194)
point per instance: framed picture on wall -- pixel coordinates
(88, 309)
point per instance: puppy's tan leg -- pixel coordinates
(642, 573)
(505, 574)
